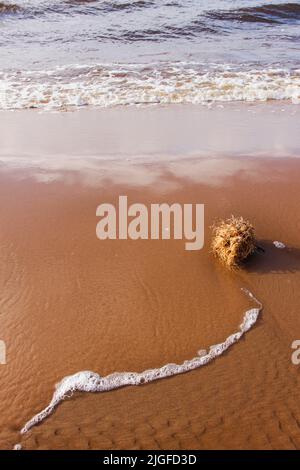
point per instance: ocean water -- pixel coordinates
(60, 54)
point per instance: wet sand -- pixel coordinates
(71, 302)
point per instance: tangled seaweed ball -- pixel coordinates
(233, 241)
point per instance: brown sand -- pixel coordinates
(70, 302)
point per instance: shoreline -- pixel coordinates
(149, 133)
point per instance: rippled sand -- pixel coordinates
(70, 302)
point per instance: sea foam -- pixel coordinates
(88, 381)
(109, 85)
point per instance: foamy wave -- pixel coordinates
(113, 85)
(88, 381)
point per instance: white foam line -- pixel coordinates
(88, 381)
(124, 85)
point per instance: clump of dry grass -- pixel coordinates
(233, 241)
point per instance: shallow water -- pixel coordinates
(61, 54)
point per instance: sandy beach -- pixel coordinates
(70, 302)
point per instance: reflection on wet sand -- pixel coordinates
(166, 174)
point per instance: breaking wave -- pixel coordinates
(132, 84)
